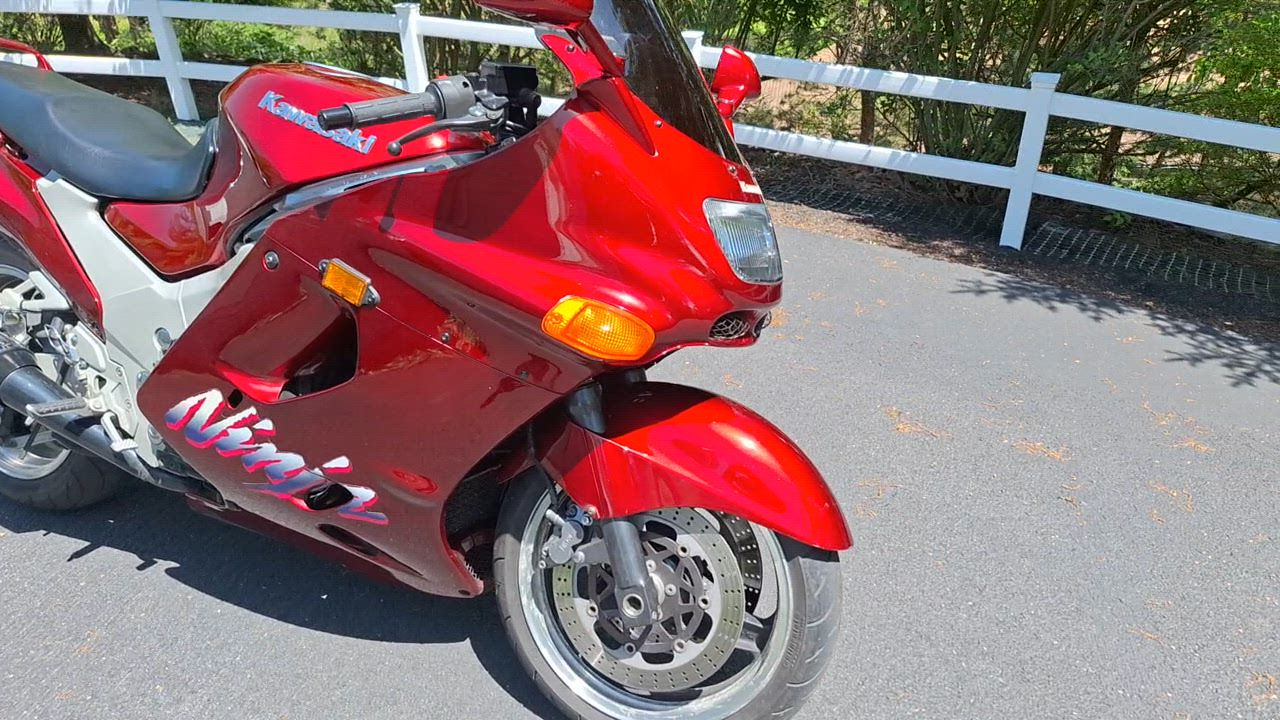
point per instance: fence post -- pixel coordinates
(416, 75)
(1034, 127)
(694, 38)
(184, 101)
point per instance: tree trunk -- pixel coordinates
(108, 29)
(1110, 155)
(870, 57)
(867, 121)
(78, 34)
(744, 27)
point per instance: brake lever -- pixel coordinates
(471, 123)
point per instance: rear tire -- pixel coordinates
(46, 480)
(810, 643)
(78, 482)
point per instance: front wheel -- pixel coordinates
(748, 619)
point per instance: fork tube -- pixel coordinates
(637, 599)
(586, 409)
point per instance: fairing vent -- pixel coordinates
(732, 326)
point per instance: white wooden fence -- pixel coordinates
(1023, 180)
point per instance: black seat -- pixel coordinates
(104, 145)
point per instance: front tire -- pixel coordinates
(771, 684)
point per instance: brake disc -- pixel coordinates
(747, 549)
(703, 599)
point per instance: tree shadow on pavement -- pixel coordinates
(280, 582)
(1243, 362)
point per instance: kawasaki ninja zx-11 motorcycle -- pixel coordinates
(410, 331)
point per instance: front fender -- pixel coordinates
(674, 446)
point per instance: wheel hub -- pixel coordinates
(701, 595)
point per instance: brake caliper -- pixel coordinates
(571, 530)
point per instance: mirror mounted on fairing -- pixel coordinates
(737, 80)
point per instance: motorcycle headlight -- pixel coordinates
(745, 234)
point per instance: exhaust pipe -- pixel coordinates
(24, 387)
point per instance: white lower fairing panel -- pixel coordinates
(136, 303)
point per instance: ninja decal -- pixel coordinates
(241, 436)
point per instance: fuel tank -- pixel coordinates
(268, 144)
(273, 109)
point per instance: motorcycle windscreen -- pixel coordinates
(661, 71)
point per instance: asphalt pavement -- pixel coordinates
(1062, 508)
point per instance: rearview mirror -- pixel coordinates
(561, 13)
(737, 81)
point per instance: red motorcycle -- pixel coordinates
(410, 332)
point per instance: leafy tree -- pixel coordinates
(1237, 78)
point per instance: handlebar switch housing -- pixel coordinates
(457, 94)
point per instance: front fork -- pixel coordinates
(636, 595)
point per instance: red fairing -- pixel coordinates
(672, 446)
(577, 207)
(410, 423)
(265, 150)
(23, 216)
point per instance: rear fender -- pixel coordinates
(673, 446)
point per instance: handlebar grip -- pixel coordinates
(384, 110)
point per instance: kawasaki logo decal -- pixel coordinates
(274, 103)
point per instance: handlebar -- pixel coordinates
(445, 97)
(383, 110)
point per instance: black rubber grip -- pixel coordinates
(375, 112)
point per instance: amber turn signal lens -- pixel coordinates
(347, 283)
(598, 330)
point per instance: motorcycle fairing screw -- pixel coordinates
(271, 261)
(445, 337)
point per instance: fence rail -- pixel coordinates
(1024, 180)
